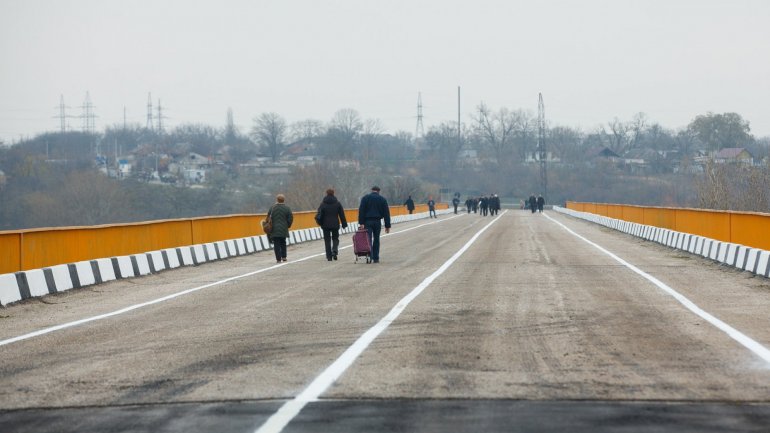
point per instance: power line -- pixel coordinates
(87, 115)
(62, 114)
(149, 111)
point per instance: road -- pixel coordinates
(468, 323)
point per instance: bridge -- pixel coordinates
(571, 319)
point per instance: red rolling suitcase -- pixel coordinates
(361, 246)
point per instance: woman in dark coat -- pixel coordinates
(331, 215)
(282, 219)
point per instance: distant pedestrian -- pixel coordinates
(494, 205)
(282, 219)
(483, 205)
(455, 203)
(431, 207)
(540, 203)
(331, 215)
(469, 204)
(532, 203)
(371, 211)
(409, 203)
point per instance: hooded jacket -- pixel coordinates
(332, 213)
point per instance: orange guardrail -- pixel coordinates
(746, 228)
(21, 250)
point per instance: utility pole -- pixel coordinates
(149, 112)
(124, 117)
(419, 131)
(542, 155)
(459, 125)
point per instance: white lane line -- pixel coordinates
(291, 408)
(733, 333)
(174, 295)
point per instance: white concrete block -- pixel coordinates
(232, 247)
(173, 258)
(125, 266)
(157, 260)
(187, 258)
(85, 273)
(62, 278)
(199, 253)
(763, 262)
(9, 289)
(143, 264)
(36, 282)
(751, 260)
(222, 248)
(106, 271)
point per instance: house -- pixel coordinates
(602, 152)
(534, 156)
(737, 155)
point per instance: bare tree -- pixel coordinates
(269, 131)
(343, 132)
(496, 129)
(307, 130)
(618, 135)
(370, 133)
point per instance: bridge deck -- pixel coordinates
(529, 319)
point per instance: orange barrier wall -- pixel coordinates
(746, 228)
(21, 250)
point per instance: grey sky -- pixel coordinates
(593, 60)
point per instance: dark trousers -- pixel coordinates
(331, 241)
(410, 211)
(279, 247)
(432, 213)
(455, 209)
(373, 229)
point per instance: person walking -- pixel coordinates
(455, 203)
(469, 204)
(540, 203)
(532, 203)
(431, 207)
(372, 209)
(409, 203)
(282, 219)
(331, 215)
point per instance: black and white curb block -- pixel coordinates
(742, 257)
(60, 278)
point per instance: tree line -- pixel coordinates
(53, 178)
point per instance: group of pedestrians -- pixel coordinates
(535, 204)
(483, 205)
(330, 216)
(409, 203)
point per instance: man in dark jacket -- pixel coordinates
(532, 203)
(372, 209)
(540, 203)
(331, 215)
(431, 207)
(409, 203)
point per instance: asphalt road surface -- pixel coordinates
(468, 324)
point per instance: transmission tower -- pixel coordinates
(420, 129)
(87, 115)
(62, 114)
(149, 111)
(160, 117)
(542, 155)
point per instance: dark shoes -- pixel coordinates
(334, 257)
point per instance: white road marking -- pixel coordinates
(320, 384)
(733, 333)
(176, 295)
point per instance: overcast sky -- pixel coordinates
(593, 60)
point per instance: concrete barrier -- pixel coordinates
(732, 254)
(18, 286)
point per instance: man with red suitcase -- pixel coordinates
(372, 209)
